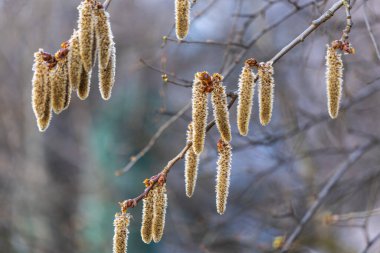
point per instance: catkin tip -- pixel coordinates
(223, 175)
(159, 210)
(147, 218)
(182, 18)
(334, 80)
(245, 101)
(120, 239)
(266, 92)
(191, 165)
(219, 102)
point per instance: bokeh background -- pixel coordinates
(58, 189)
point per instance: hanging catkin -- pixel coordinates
(120, 238)
(44, 121)
(223, 175)
(202, 81)
(266, 92)
(40, 84)
(159, 211)
(191, 165)
(107, 76)
(86, 33)
(74, 61)
(182, 18)
(84, 84)
(60, 82)
(104, 37)
(246, 93)
(147, 218)
(334, 80)
(219, 102)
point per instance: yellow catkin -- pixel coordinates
(84, 85)
(74, 61)
(103, 34)
(191, 165)
(334, 79)
(182, 18)
(199, 110)
(219, 102)
(107, 76)
(147, 218)
(266, 92)
(59, 84)
(120, 238)
(245, 102)
(86, 33)
(223, 175)
(159, 212)
(44, 121)
(40, 85)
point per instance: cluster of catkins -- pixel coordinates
(69, 69)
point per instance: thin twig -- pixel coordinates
(369, 29)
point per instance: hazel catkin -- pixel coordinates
(103, 35)
(120, 238)
(44, 121)
(107, 76)
(246, 93)
(74, 61)
(191, 165)
(182, 18)
(39, 84)
(223, 175)
(202, 81)
(266, 92)
(147, 218)
(334, 80)
(159, 211)
(84, 84)
(219, 102)
(60, 83)
(86, 33)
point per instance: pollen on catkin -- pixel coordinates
(201, 83)
(182, 18)
(103, 34)
(246, 93)
(39, 84)
(86, 33)
(334, 80)
(266, 92)
(107, 76)
(159, 211)
(219, 103)
(191, 165)
(60, 82)
(223, 175)
(120, 238)
(147, 218)
(84, 84)
(74, 61)
(44, 121)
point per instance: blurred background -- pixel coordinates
(58, 189)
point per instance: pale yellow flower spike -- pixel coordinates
(86, 33)
(223, 175)
(147, 218)
(200, 110)
(266, 92)
(84, 84)
(182, 18)
(75, 62)
(334, 80)
(104, 37)
(107, 76)
(219, 102)
(120, 238)
(191, 165)
(160, 204)
(61, 88)
(246, 93)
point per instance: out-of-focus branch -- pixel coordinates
(369, 29)
(343, 168)
(106, 4)
(163, 174)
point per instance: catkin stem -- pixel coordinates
(266, 92)
(223, 175)
(334, 80)
(191, 165)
